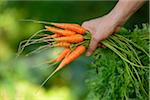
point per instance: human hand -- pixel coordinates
(100, 28)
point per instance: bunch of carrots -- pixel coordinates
(75, 39)
(72, 37)
(68, 36)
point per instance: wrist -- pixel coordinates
(120, 13)
(124, 9)
(116, 18)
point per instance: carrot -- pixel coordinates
(73, 27)
(47, 36)
(53, 36)
(60, 31)
(60, 56)
(62, 44)
(72, 39)
(63, 54)
(50, 45)
(72, 56)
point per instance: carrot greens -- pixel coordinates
(122, 68)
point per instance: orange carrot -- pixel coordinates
(60, 56)
(62, 44)
(72, 56)
(53, 36)
(63, 54)
(60, 31)
(47, 36)
(72, 39)
(73, 27)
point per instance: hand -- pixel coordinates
(100, 28)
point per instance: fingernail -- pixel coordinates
(88, 54)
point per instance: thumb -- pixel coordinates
(92, 46)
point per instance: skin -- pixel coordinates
(102, 27)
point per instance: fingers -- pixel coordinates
(92, 46)
(101, 45)
(89, 26)
(94, 42)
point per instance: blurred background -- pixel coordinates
(21, 77)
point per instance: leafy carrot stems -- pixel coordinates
(20, 51)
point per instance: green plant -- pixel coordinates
(120, 71)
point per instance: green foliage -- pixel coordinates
(113, 78)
